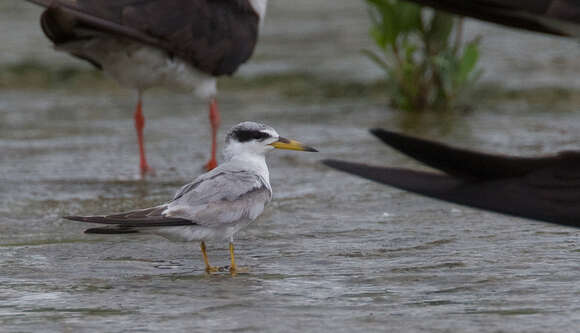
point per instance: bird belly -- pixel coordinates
(200, 233)
(141, 67)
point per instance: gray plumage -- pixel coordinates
(226, 194)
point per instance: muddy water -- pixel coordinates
(331, 252)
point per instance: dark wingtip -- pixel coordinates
(388, 137)
(375, 131)
(92, 219)
(110, 231)
(329, 162)
(336, 164)
(75, 218)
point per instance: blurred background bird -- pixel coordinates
(557, 17)
(184, 45)
(543, 188)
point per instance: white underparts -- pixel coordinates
(141, 67)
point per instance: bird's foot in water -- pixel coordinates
(235, 269)
(212, 269)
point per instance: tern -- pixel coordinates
(215, 205)
(183, 45)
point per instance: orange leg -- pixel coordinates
(139, 125)
(214, 119)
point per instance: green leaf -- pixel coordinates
(379, 37)
(385, 27)
(468, 61)
(408, 17)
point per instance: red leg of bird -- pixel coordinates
(214, 119)
(139, 125)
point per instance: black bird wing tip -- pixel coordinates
(93, 219)
(463, 163)
(394, 139)
(376, 131)
(111, 231)
(390, 137)
(122, 221)
(349, 167)
(336, 164)
(427, 183)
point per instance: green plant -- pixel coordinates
(428, 65)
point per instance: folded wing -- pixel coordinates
(216, 37)
(131, 221)
(221, 197)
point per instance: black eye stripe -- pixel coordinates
(247, 135)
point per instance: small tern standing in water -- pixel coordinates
(216, 204)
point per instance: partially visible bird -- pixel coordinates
(180, 44)
(541, 188)
(557, 17)
(215, 205)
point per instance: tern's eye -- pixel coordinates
(247, 135)
(261, 136)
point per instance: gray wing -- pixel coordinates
(221, 197)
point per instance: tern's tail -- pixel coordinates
(130, 222)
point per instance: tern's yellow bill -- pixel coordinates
(288, 144)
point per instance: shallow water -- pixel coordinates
(330, 253)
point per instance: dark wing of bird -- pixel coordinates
(545, 189)
(459, 162)
(215, 36)
(129, 221)
(534, 15)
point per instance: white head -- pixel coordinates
(257, 139)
